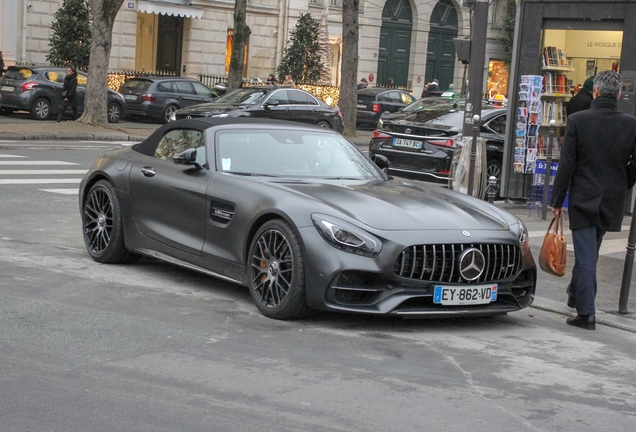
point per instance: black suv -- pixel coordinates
(38, 89)
(374, 102)
(157, 98)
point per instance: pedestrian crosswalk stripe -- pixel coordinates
(62, 191)
(41, 172)
(37, 163)
(37, 181)
(11, 156)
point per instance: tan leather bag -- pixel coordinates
(554, 249)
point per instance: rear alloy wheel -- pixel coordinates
(323, 124)
(103, 227)
(167, 114)
(41, 109)
(114, 112)
(276, 272)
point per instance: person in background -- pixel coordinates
(431, 89)
(69, 93)
(271, 79)
(390, 83)
(593, 166)
(363, 84)
(289, 82)
(582, 100)
(2, 70)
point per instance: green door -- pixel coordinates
(395, 43)
(440, 55)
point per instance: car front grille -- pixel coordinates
(440, 262)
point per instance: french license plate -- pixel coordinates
(400, 142)
(361, 106)
(7, 88)
(131, 97)
(465, 295)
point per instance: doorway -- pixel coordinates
(395, 43)
(169, 38)
(440, 55)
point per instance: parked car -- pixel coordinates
(157, 98)
(277, 103)
(38, 89)
(305, 220)
(374, 102)
(419, 141)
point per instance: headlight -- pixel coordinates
(220, 115)
(523, 236)
(346, 237)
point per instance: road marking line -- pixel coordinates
(37, 163)
(40, 172)
(11, 156)
(39, 181)
(62, 191)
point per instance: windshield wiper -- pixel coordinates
(250, 174)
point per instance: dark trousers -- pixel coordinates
(63, 109)
(587, 242)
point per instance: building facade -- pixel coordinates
(407, 40)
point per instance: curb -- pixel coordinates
(609, 319)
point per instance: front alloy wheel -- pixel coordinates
(276, 272)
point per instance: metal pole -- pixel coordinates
(473, 155)
(629, 265)
(548, 172)
(476, 67)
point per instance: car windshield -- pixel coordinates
(248, 96)
(291, 153)
(139, 84)
(18, 73)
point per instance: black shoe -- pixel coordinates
(571, 301)
(587, 322)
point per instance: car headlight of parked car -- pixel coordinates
(346, 237)
(220, 115)
(523, 237)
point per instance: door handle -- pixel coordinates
(148, 171)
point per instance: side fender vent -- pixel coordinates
(221, 212)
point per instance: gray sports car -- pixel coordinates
(305, 220)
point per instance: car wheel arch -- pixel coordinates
(258, 223)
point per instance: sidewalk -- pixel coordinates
(550, 289)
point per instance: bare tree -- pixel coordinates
(104, 13)
(349, 71)
(241, 32)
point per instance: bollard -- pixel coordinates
(492, 189)
(473, 155)
(548, 172)
(628, 267)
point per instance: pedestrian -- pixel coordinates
(69, 93)
(431, 89)
(289, 82)
(389, 82)
(595, 153)
(271, 79)
(363, 84)
(582, 100)
(2, 70)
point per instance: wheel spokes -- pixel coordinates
(272, 268)
(98, 220)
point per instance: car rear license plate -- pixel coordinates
(131, 97)
(7, 88)
(465, 295)
(399, 142)
(361, 106)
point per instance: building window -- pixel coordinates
(333, 2)
(228, 52)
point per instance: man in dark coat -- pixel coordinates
(582, 100)
(595, 152)
(69, 93)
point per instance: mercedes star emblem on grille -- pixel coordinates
(466, 233)
(407, 130)
(471, 264)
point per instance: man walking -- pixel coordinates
(595, 152)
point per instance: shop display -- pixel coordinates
(528, 122)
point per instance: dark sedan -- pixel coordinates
(420, 140)
(305, 220)
(158, 97)
(277, 103)
(375, 102)
(38, 89)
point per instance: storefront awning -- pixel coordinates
(169, 8)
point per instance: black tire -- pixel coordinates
(41, 109)
(114, 112)
(167, 113)
(494, 169)
(103, 227)
(276, 272)
(324, 124)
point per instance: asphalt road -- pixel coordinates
(152, 347)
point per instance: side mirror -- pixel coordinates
(383, 163)
(187, 157)
(272, 102)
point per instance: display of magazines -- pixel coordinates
(529, 117)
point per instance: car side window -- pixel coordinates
(202, 90)
(178, 140)
(395, 97)
(300, 98)
(281, 97)
(82, 80)
(165, 87)
(407, 98)
(55, 76)
(184, 87)
(384, 97)
(498, 124)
